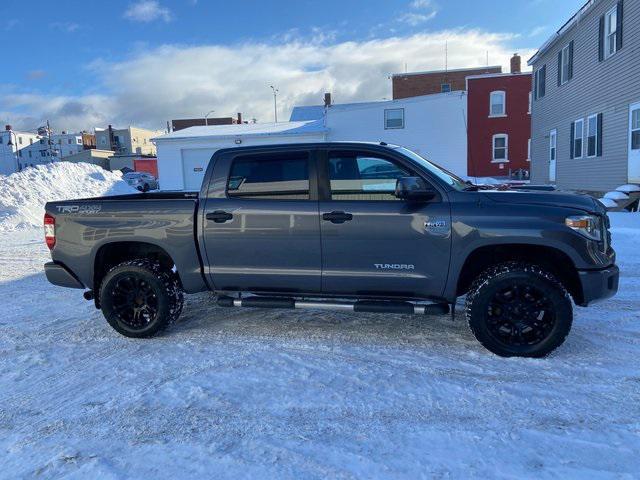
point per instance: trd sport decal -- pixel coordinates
(79, 209)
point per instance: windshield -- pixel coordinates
(444, 175)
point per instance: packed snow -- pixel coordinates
(279, 394)
(23, 194)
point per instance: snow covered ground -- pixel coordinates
(278, 394)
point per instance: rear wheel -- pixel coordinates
(520, 310)
(139, 298)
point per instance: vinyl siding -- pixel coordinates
(607, 87)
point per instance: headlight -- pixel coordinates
(587, 225)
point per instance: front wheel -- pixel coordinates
(139, 298)
(519, 310)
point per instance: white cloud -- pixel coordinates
(424, 10)
(538, 31)
(172, 81)
(147, 11)
(415, 19)
(69, 27)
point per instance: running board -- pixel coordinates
(369, 306)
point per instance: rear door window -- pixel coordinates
(283, 176)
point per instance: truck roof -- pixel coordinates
(293, 146)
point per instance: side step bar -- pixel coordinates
(369, 306)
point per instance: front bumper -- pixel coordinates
(60, 275)
(598, 284)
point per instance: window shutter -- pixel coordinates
(571, 60)
(600, 120)
(573, 137)
(601, 40)
(619, 25)
(560, 68)
(543, 81)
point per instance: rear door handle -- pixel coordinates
(219, 216)
(337, 217)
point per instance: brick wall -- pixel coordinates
(417, 84)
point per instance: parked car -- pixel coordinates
(143, 181)
(305, 226)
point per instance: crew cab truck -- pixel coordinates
(349, 226)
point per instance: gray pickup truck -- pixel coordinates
(347, 226)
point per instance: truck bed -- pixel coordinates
(86, 227)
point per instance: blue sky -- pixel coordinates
(83, 64)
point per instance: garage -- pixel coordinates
(183, 156)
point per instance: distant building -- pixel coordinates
(586, 101)
(499, 123)
(183, 156)
(12, 143)
(183, 123)
(127, 141)
(416, 84)
(40, 152)
(93, 156)
(66, 144)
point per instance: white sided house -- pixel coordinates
(433, 126)
(183, 155)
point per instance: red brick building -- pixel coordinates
(499, 123)
(406, 85)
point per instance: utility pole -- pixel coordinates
(275, 102)
(206, 118)
(49, 143)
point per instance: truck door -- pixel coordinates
(261, 227)
(372, 242)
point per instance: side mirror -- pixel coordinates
(414, 189)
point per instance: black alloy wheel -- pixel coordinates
(517, 309)
(520, 315)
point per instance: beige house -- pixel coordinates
(93, 156)
(127, 141)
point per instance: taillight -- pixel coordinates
(49, 230)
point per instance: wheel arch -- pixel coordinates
(111, 254)
(549, 258)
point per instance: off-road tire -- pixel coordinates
(502, 276)
(164, 286)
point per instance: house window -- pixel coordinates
(540, 82)
(564, 65)
(635, 130)
(497, 106)
(30, 154)
(529, 150)
(553, 145)
(500, 148)
(31, 141)
(394, 118)
(445, 87)
(592, 136)
(578, 133)
(610, 32)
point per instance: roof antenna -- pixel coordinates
(446, 56)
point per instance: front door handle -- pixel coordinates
(219, 216)
(337, 217)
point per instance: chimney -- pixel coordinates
(327, 99)
(239, 118)
(7, 128)
(516, 64)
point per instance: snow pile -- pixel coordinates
(23, 194)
